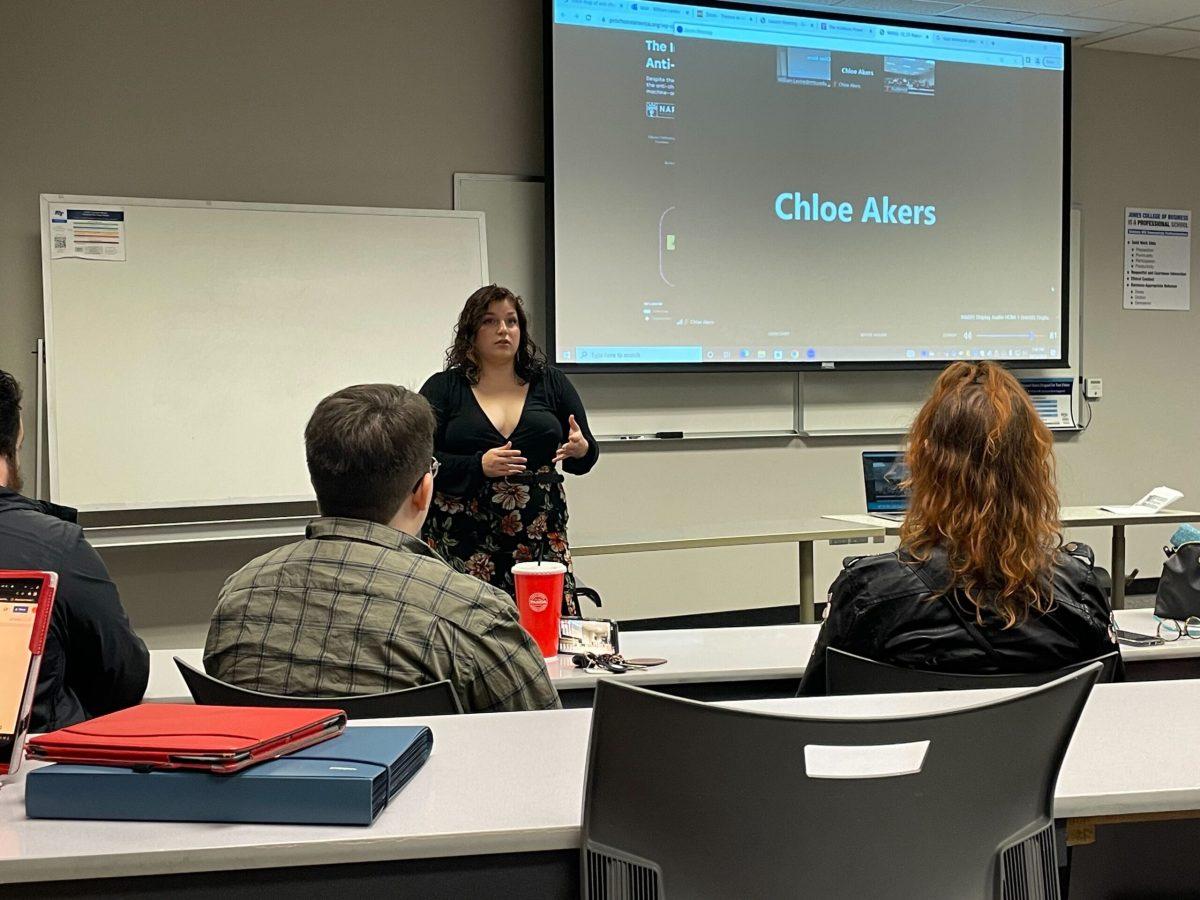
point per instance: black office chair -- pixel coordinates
(437, 699)
(847, 673)
(687, 799)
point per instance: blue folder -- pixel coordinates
(347, 780)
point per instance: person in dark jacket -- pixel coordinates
(93, 662)
(982, 582)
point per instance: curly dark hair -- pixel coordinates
(530, 360)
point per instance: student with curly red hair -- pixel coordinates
(982, 582)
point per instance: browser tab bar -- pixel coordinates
(811, 31)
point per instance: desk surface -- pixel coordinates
(692, 654)
(723, 534)
(1072, 516)
(1110, 769)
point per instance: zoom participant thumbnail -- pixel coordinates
(902, 75)
(854, 71)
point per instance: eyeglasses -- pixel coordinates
(434, 465)
(1173, 629)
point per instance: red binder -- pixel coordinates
(221, 739)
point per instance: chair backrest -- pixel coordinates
(846, 673)
(686, 799)
(436, 699)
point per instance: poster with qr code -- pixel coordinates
(95, 233)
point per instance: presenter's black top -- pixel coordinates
(93, 663)
(893, 609)
(483, 526)
(465, 433)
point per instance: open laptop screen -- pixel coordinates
(883, 473)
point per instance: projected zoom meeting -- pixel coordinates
(732, 186)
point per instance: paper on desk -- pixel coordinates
(1155, 501)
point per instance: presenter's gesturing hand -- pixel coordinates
(576, 446)
(501, 461)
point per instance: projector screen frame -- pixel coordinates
(1061, 362)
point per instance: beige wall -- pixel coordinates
(378, 103)
(1136, 136)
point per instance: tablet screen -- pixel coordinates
(18, 611)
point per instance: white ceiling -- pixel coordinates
(1160, 27)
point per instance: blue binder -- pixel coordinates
(347, 780)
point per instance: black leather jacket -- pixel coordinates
(93, 662)
(884, 608)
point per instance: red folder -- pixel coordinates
(219, 739)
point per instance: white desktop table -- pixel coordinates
(1075, 517)
(802, 532)
(512, 783)
(694, 656)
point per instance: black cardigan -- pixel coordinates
(464, 432)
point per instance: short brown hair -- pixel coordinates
(982, 488)
(367, 446)
(10, 415)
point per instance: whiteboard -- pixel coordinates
(184, 376)
(637, 405)
(619, 405)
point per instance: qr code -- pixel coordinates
(60, 243)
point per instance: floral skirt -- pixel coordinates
(505, 522)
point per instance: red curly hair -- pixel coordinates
(981, 486)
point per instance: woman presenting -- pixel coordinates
(505, 419)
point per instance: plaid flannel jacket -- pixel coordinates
(360, 608)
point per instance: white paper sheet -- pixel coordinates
(94, 233)
(1158, 499)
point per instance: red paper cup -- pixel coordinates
(539, 589)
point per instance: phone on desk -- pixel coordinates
(579, 635)
(1134, 639)
(26, 600)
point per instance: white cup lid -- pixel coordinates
(536, 568)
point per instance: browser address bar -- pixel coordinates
(829, 42)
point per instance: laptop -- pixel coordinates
(883, 473)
